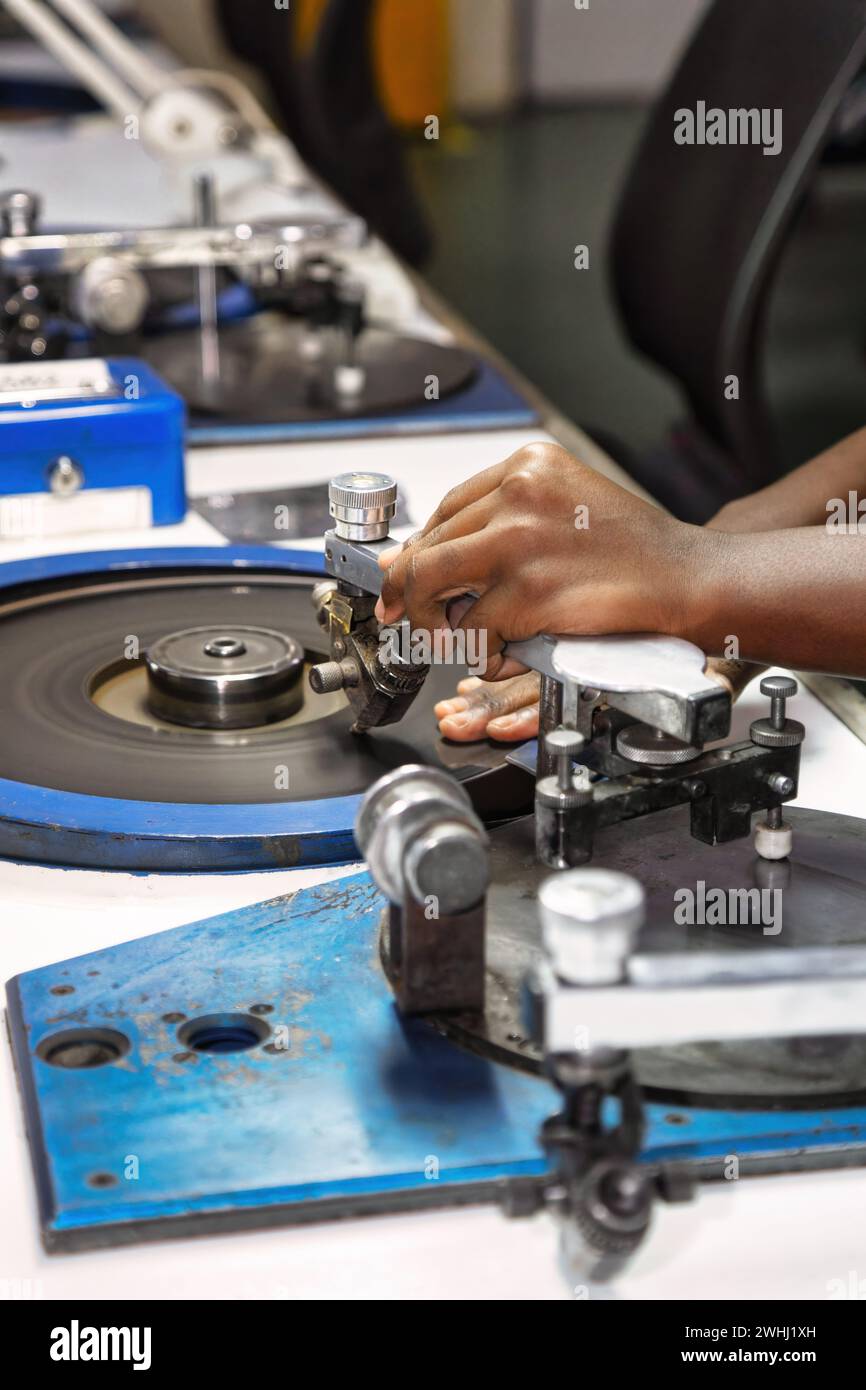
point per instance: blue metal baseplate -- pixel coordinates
(252, 1070)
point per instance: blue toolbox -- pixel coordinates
(90, 445)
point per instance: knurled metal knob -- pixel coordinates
(589, 921)
(329, 676)
(362, 505)
(766, 735)
(777, 731)
(639, 743)
(564, 743)
(564, 788)
(779, 687)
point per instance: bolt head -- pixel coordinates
(65, 477)
(589, 920)
(780, 784)
(780, 687)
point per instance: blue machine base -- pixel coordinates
(338, 1107)
(489, 402)
(45, 825)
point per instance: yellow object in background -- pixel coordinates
(411, 48)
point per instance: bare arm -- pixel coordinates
(790, 597)
(801, 498)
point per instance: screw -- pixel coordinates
(780, 784)
(779, 689)
(65, 477)
(564, 744)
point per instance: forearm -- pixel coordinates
(789, 598)
(801, 498)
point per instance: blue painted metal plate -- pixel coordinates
(339, 1106)
(358, 1111)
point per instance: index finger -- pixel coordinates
(464, 494)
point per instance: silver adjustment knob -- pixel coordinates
(565, 787)
(362, 505)
(330, 676)
(19, 213)
(590, 919)
(778, 731)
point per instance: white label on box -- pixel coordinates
(94, 509)
(30, 383)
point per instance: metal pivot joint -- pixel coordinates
(427, 851)
(371, 664)
(560, 833)
(773, 836)
(590, 921)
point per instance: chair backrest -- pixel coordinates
(700, 226)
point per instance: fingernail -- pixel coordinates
(458, 721)
(379, 610)
(445, 708)
(504, 721)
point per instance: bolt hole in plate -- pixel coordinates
(79, 1048)
(218, 1033)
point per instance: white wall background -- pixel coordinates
(616, 48)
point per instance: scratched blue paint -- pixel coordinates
(358, 1104)
(48, 826)
(352, 1111)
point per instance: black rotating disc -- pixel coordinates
(823, 903)
(266, 379)
(69, 650)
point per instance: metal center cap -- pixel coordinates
(214, 678)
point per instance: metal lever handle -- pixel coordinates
(660, 680)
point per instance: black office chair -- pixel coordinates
(330, 108)
(700, 229)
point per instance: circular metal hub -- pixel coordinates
(219, 678)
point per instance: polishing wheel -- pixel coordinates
(156, 714)
(267, 376)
